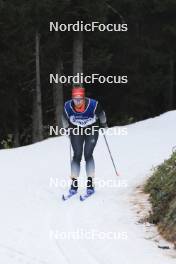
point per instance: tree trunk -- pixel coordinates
(78, 53)
(16, 141)
(58, 96)
(171, 88)
(37, 106)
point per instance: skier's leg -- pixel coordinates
(90, 143)
(77, 145)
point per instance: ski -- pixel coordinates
(82, 197)
(85, 196)
(68, 196)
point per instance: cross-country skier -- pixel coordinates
(83, 113)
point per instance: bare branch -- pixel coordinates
(116, 12)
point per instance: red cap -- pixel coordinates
(78, 92)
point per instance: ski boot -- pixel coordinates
(90, 186)
(74, 186)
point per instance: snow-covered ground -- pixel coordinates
(36, 226)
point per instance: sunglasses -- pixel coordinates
(78, 100)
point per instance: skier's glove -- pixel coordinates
(104, 125)
(104, 128)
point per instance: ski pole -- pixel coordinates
(110, 155)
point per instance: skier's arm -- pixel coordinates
(65, 122)
(100, 113)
